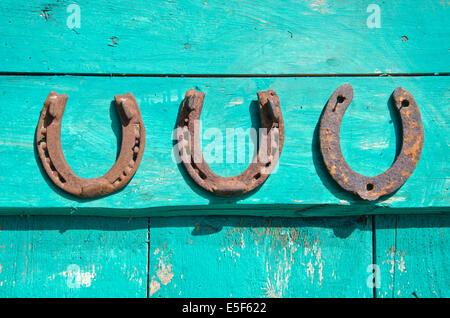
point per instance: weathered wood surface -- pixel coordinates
(413, 254)
(260, 257)
(51, 256)
(302, 257)
(225, 37)
(90, 134)
(223, 257)
(73, 257)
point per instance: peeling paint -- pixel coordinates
(164, 272)
(315, 261)
(279, 246)
(236, 101)
(375, 145)
(320, 6)
(401, 262)
(396, 257)
(83, 278)
(154, 287)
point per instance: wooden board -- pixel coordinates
(222, 256)
(225, 37)
(413, 255)
(90, 135)
(73, 257)
(260, 257)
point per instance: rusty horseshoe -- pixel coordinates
(258, 171)
(371, 188)
(48, 143)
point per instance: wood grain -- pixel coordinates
(225, 37)
(259, 257)
(90, 135)
(73, 257)
(222, 256)
(413, 255)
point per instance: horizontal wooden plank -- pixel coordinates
(300, 186)
(412, 252)
(260, 257)
(73, 257)
(225, 37)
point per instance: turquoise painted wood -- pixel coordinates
(225, 37)
(73, 257)
(413, 255)
(226, 256)
(260, 257)
(90, 135)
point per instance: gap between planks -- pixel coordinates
(220, 75)
(148, 259)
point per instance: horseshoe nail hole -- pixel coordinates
(370, 186)
(52, 167)
(61, 179)
(200, 174)
(405, 103)
(268, 164)
(136, 149)
(198, 171)
(340, 99)
(257, 176)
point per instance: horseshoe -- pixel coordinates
(48, 143)
(262, 165)
(371, 188)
